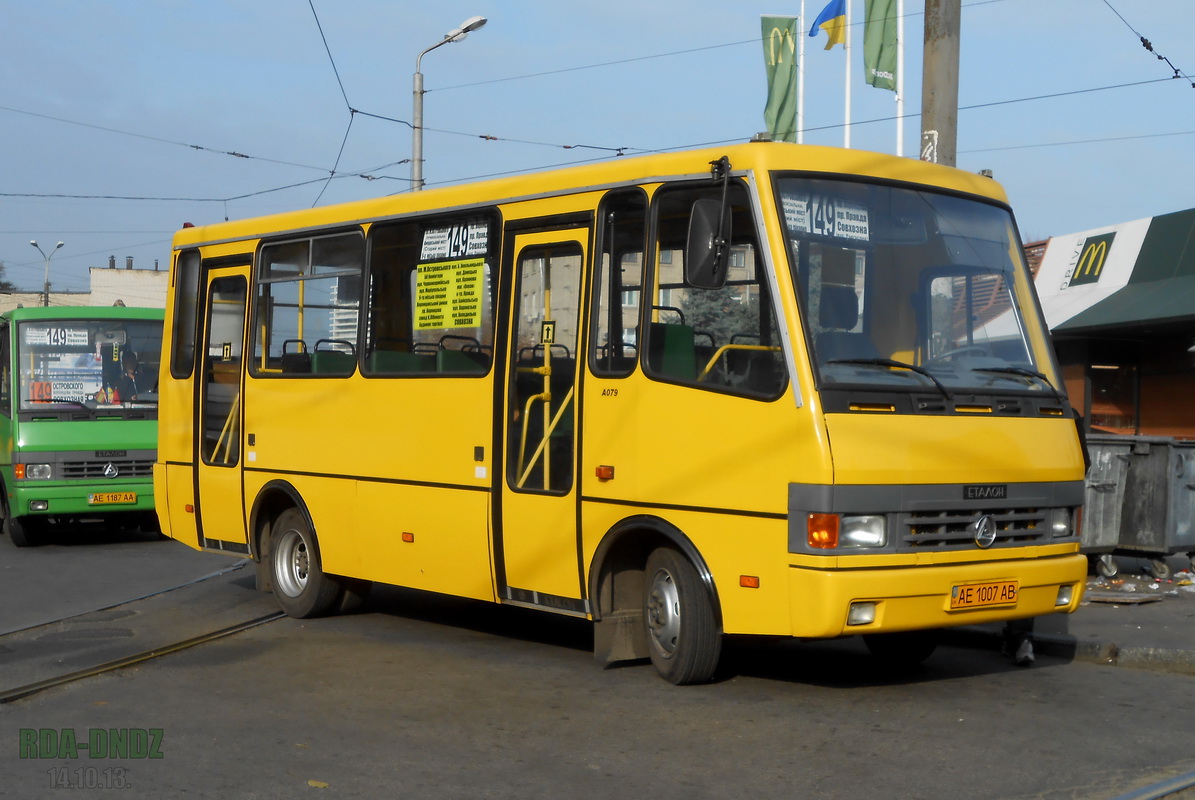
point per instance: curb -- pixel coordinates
(1157, 659)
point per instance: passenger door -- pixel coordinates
(536, 542)
(220, 508)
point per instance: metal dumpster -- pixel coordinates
(1103, 499)
(1159, 501)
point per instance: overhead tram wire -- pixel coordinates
(354, 111)
(161, 140)
(1148, 45)
(487, 137)
(619, 151)
(343, 93)
(1079, 141)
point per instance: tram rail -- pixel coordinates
(79, 646)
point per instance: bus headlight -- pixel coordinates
(1059, 520)
(863, 531)
(37, 472)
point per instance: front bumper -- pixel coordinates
(62, 499)
(918, 597)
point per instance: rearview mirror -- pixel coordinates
(707, 251)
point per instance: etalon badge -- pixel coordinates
(984, 531)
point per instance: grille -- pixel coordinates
(951, 530)
(92, 470)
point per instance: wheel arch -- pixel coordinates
(272, 499)
(616, 583)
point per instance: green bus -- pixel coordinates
(78, 417)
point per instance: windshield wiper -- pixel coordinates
(892, 364)
(1028, 373)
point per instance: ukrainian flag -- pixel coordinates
(832, 20)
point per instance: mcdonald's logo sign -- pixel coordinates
(1091, 259)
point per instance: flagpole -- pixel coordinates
(801, 76)
(846, 46)
(900, 77)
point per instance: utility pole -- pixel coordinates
(939, 82)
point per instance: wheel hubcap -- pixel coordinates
(663, 612)
(291, 563)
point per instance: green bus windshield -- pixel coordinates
(99, 363)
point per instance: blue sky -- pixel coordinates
(138, 99)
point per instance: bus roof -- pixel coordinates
(754, 156)
(83, 312)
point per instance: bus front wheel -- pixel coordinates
(23, 531)
(302, 588)
(682, 633)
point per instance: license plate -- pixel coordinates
(109, 498)
(978, 595)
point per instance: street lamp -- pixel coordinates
(455, 35)
(45, 298)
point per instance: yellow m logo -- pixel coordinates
(1091, 261)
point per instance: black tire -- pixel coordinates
(678, 618)
(302, 588)
(902, 649)
(24, 531)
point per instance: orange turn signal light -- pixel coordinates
(821, 531)
(408, 537)
(19, 471)
(749, 581)
(605, 472)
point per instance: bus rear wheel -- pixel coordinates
(682, 633)
(302, 588)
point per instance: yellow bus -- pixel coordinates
(764, 389)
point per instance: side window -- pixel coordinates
(186, 311)
(5, 373)
(309, 296)
(723, 339)
(430, 308)
(618, 284)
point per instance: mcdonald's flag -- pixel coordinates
(780, 61)
(879, 43)
(832, 20)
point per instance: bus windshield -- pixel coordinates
(909, 290)
(102, 363)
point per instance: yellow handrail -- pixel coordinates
(718, 354)
(543, 442)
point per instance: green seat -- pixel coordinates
(398, 361)
(457, 361)
(672, 352)
(332, 362)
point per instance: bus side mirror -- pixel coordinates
(707, 251)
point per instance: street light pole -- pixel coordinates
(455, 35)
(45, 298)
